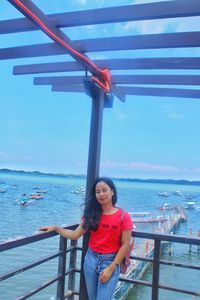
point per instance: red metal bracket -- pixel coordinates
(106, 78)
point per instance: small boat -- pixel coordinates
(41, 191)
(188, 197)
(36, 196)
(36, 188)
(79, 190)
(190, 205)
(178, 193)
(166, 206)
(24, 201)
(164, 194)
(2, 191)
(82, 188)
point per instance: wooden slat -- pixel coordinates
(151, 41)
(76, 88)
(113, 64)
(147, 41)
(162, 92)
(147, 11)
(125, 79)
(139, 91)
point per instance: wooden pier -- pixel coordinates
(146, 249)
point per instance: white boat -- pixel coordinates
(36, 196)
(188, 197)
(164, 194)
(79, 190)
(178, 193)
(190, 205)
(41, 191)
(166, 206)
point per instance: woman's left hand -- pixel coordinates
(105, 275)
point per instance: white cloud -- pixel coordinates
(188, 24)
(82, 2)
(162, 25)
(172, 113)
(90, 27)
(177, 116)
(119, 115)
(148, 168)
(3, 156)
(26, 158)
(149, 26)
(7, 157)
(147, 1)
(139, 166)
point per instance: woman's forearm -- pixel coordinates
(66, 233)
(120, 255)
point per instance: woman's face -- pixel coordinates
(103, 193)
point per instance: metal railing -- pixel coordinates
(69, 265)
(156, 262)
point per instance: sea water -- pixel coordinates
(61, 205)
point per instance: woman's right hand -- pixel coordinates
(48, 228)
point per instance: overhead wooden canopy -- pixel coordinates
(121, 84)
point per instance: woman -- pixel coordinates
(110, 233)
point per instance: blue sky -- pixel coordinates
(145, 137)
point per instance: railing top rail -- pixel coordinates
(167, 237)
(22, 241)
(7, 245)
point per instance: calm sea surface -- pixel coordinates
(61, 206)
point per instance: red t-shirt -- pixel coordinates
(107, 237)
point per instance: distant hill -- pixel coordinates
(38, 173)
(164, 181)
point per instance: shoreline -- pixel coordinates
(148, 180)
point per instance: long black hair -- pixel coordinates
(93, 210)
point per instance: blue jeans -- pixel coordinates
(94, 264)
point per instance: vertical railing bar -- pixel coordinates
(61, 269)
(156, 269)
(72, 265)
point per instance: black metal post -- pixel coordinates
(93, 164)
(72, 265)
(95, 140)
(156, 269)
(61, 269)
